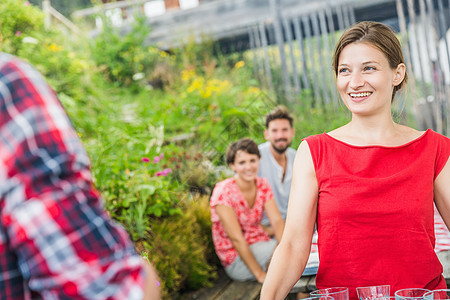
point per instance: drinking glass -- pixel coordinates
(385, 298)
(372, 292)
(410, 294)
(319, 297)
(437, 295)
(338, 293)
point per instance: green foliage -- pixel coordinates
(62, 67)
(18, 19)
(198, 57)
(191, 168)
(124, 58)
(225, 107)
(180, 249)
(62, 60)
(311, 119)
(131, 170)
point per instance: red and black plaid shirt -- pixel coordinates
(56, 242)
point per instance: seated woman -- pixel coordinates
(237, 206)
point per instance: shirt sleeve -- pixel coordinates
(54, 220)
(221, 195)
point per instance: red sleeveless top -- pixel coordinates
(375, 212)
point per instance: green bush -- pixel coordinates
(63, 60)
(18, 19)
(310, 119)
(180, 248)
(224, 110)
(129, 167)
(67, 71)
(126, 61)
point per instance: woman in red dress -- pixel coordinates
(370, 184)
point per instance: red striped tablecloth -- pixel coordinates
(441, 232)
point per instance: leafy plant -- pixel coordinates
(180, 249)
(18, 19)
(125, 59)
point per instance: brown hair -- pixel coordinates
(244, 144)
(279, 112)
(377, 35)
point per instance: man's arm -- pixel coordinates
(276, 221)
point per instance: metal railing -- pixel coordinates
(51, 12)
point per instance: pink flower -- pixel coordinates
(156, 159)
(18, 33)
(145, 159)
(161, 156)
(164, 172)
(167, 171)
(27, 3)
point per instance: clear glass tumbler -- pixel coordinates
(338, 293)
(410, 294)
(373, 292)
(319, 297)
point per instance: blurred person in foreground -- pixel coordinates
(56, 240)
(370, 184)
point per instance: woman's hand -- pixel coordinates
(231, 226)
(269, 230)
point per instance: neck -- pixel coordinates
(279, 157)
(372, 128)
(244, 184)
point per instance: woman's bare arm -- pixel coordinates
(234, 231)
(442, 193)
(291, 255)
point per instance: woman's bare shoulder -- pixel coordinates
(406, 134)
(339, 133)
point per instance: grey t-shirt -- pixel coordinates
(273, 172)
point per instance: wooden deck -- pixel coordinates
(226, 289)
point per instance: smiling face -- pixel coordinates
(280, 134)
(245, 165)
(365, 80)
